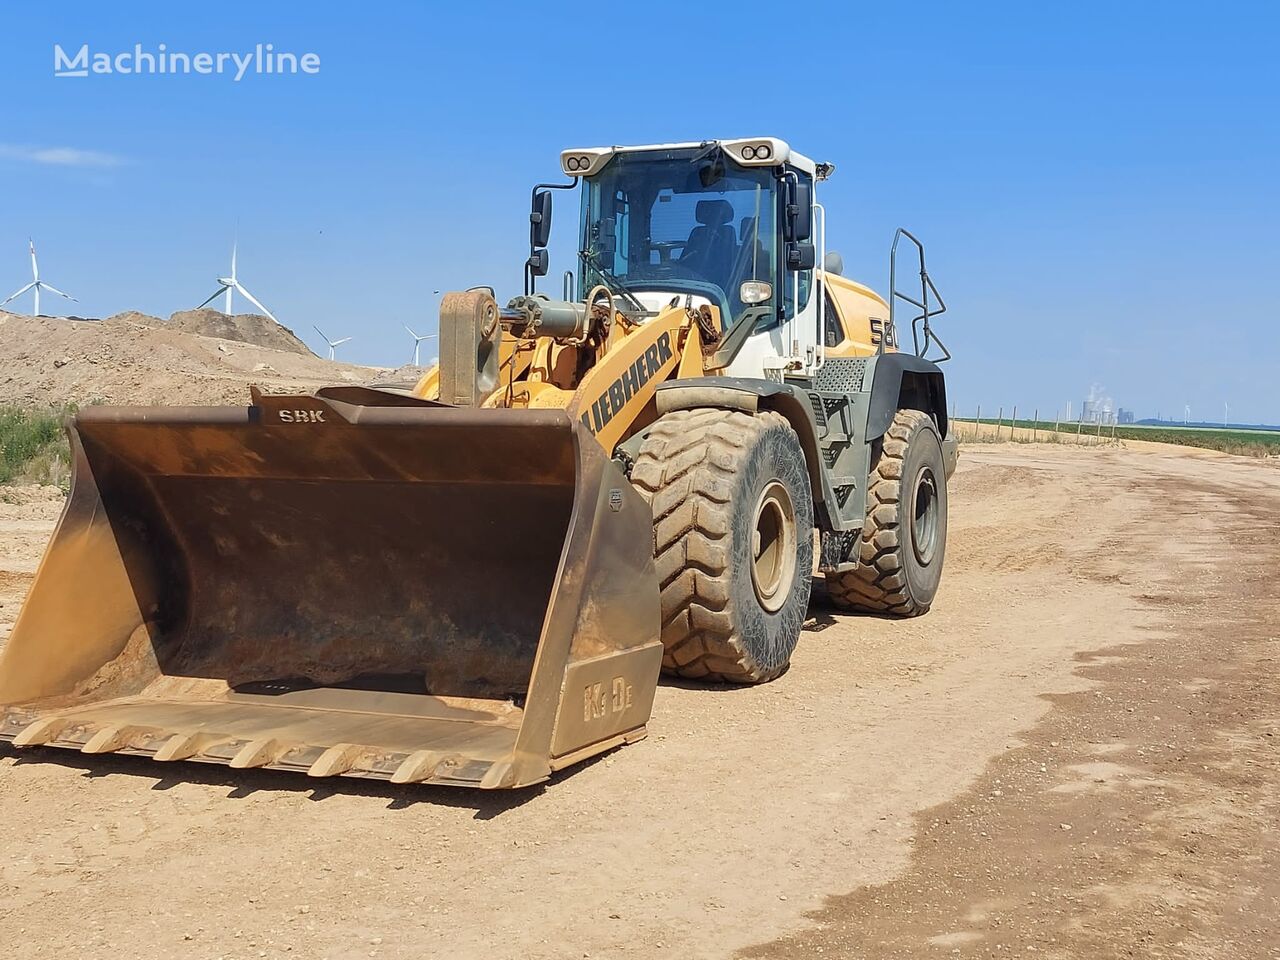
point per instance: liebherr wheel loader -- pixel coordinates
(476, 579)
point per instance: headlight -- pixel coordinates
(759, 153)
(585, 161)
(755, 291)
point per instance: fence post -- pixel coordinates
(1035, 425)
(999, 421)
(977, 424)
(1013, 425)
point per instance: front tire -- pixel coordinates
(733, 541)
(904, 537)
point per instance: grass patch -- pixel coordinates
(1245, 443)
(33, 448)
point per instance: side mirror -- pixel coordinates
(801, 256)
(539, 262)
(540, 220)
(799, 219)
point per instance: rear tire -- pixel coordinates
(904, 537)
(733, 541)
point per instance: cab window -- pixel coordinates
(832, 329)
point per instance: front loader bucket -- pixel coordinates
(348, 584)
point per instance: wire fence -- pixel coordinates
(1002, 429)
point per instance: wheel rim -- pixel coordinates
(773, 547)
(924, 516)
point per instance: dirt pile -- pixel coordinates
(133, 358)
(134, 316)
(25, 495)
(245, 327)
(408, 373)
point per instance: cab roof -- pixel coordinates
(748, 151)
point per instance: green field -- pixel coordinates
(33, 448)
(1248, 443)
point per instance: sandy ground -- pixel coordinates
(1072, 755)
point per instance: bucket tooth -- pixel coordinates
(43, 731)
(336, 761)
(257, 753)
(417, 767)
(499, 775)
(183, 746)
(110, 739)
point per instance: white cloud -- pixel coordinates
(60, 156)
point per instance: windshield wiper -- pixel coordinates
(593, 260)
(713, 171)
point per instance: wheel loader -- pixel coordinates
(477, 579)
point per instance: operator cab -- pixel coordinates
(685, 220)
(727, 223)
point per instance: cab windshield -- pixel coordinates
(683, 221)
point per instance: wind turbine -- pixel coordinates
(1225, 408)
(333, 344)
(1186, 414)
(36, 284)
(231, 284)
(417, 342)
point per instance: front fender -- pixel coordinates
(751, 395)
(903, 381)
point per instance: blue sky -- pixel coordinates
(1096, 182)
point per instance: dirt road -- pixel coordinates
(1073, 755)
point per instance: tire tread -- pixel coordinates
(685, 469)
(878, 583)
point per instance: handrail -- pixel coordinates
(920, 324)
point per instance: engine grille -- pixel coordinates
(842, 375)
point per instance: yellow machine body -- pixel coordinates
(860, 324)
